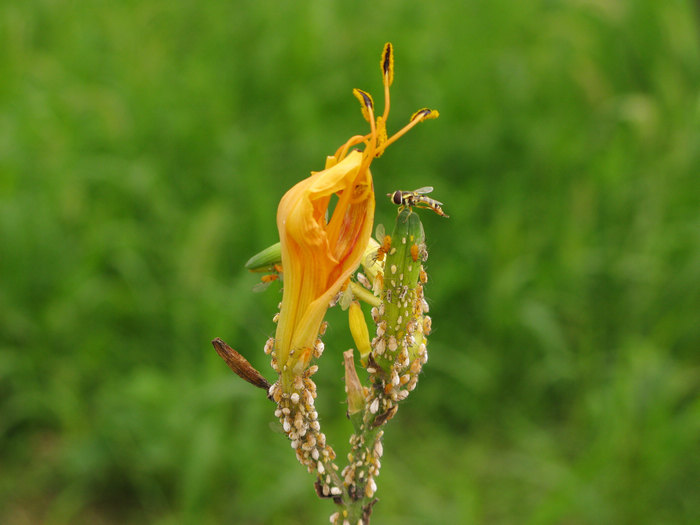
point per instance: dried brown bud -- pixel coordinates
(240, 365)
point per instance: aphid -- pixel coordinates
(269, 278)
(423, 276)
(403, 291)
(362, 279)
(265, 281)
(384, 248)
(385, 245)
(384, 417)
(378, 283)
(418, 199)
(414, 252)
(346, 297)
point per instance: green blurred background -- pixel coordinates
(144, 146)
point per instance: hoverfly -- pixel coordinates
(417, 198)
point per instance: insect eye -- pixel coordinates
(396, 197)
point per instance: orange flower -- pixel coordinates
(319, 254)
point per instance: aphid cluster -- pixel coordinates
(299, 420)
(398, 349)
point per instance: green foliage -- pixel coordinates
(143, 149)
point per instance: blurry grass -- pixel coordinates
(143, 149)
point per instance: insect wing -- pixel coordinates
(261, 286)
(380, 232)
(423, 191)
(346, 298)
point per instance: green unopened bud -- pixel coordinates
(399, 324)
(265, 260)
(358, 329)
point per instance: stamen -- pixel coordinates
(367, 104)
(425, 114)
(419, 116)
(387, 64)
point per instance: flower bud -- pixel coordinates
(359, 331)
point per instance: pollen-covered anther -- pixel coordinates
(366, 102)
